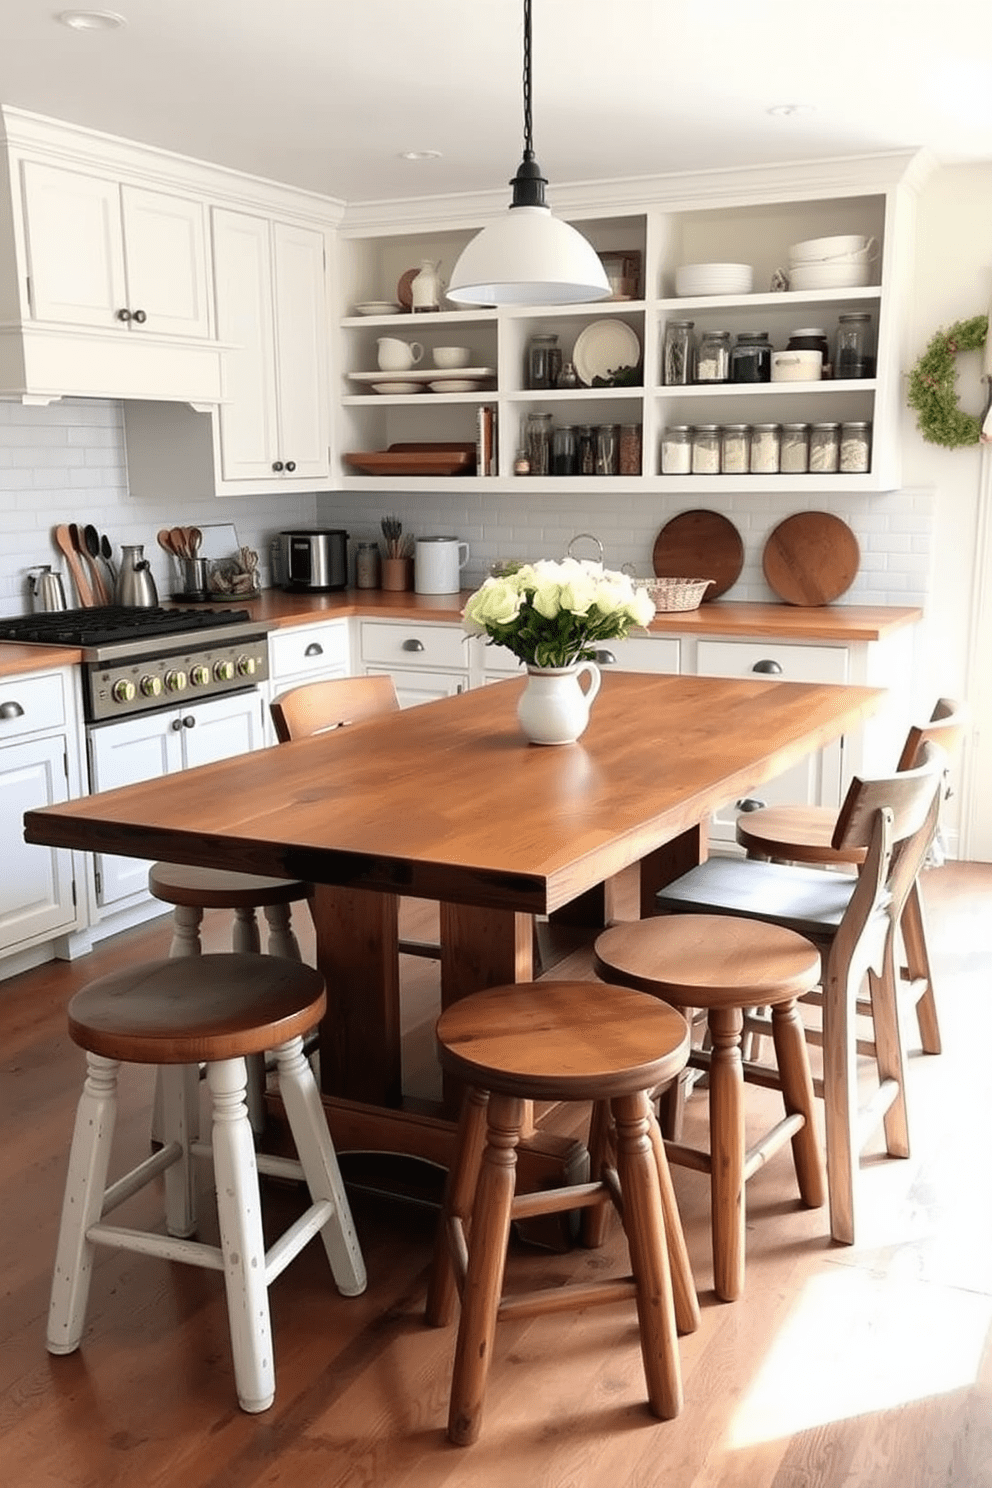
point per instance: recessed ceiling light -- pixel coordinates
(91, 20)
(420, 154)
(787, 110)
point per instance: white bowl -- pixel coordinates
(814, 250)
(829, 275)
(452, 356)
(454, 385)
(797, 366)
(394, 388)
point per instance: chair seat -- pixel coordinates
(806, 900)
(794, 834)
(194, 1009)
(212, 888)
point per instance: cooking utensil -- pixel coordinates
(107, 553)
(165, 540)
(811, 558)
(700, 542)
(64, 540)
(91, 552)
(46, 588)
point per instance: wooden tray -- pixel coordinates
(703, 543)
(443, 458)
(811, 558)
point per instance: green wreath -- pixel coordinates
(933, 385)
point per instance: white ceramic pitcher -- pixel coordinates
(437, 565)
(398, 356)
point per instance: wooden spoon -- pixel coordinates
(177, 539)
(63, 538)
(91, 540)
(165, 540)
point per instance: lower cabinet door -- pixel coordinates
(36, 887)
(413, 687)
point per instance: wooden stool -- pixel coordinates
(727, 965)
(192, 890)
(573, 1041)
(177, 1012)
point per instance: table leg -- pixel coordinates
(357, 954)
(669, 862)
(483, 948)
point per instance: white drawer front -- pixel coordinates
(644, 654)
(788, 663)
(395, 644)
(300, 649)
(31, 704)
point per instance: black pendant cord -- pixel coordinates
(528, 184)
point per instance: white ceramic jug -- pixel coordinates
(426, 288)
(437, 565)
(398, 356)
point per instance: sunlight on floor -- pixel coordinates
(855, 1344)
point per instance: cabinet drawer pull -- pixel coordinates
(314, 649)
(605, 658)
(772, 667)
(11, 710)
(750, 803)
(291, 465)
(189, 721)
(124, 315)
(277, 465)
(412, 645)
(176, 725)
(139, 316)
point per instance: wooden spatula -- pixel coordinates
(64, 540)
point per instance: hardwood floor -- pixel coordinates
(869, 1366)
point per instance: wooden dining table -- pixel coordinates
(448, 802)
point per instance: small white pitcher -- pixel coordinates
(398, 356)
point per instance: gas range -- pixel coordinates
(136, 660)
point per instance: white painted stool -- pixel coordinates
(174, 1013)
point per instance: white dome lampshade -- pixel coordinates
(528, 257)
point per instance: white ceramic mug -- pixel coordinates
(437, 565)
(398, 356)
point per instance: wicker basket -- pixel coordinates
(676, 594)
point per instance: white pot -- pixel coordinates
(437, 565)
(554, 708)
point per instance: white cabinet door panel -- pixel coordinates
(75, 252)
(141, 748)
(166, 256)
(242, 274)
(222, 728)
(36, 883)
(301, 370)
(413, 687)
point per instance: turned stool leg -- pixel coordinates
(644, 1227)
(792, 1058)
(463, 1176)
(601, 1155)
(683, 1284)
(318, 1159)
(486, 1264)
(186, 922)
(180, 1090)
(242, 1244)
(244, 933)
(727, 1152)
(85, 1186)
(281, 938)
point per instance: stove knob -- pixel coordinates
(150, 686)
(123, 691)
(247, 666)
(199, 676)
(224, 671)
(175, 681)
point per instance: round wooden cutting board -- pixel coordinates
(811, 558)
(700, 545)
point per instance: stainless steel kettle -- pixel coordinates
(47, 592)
(135, 586)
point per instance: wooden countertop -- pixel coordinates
(729, 620)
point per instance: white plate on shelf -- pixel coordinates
(428, 374)
(455, 385)
(604, 346)
(396, 388)
(378, 307)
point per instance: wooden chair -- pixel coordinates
(561, 1041)
(854, 921)
(804, 834)
(171, 1013)
(728, 965)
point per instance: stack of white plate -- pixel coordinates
(841, 262)
(714, 279)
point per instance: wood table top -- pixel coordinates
(448, 801)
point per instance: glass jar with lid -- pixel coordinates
(706, 449)
(765, 448)
(751, 358)
(537, 442)
(824, 448)
(855, 356)
(735, 449)
(543, 361)
(367, 565)
(855, 447)
(713, 357)
(676, 450)
(563, 450)
(794, 450)
(630, 449)
(585, 450)
(677, 360)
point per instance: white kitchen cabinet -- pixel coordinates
(38, 767)
(426, 661)
(158, 744)
(305, 653)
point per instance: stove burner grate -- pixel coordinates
(101, 625)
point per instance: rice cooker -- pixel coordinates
(314, 561)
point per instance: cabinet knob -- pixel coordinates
(314, 649)
(11, 710)
(123, 315)
(605, 657)
(176, 725)
(139, 316)
(276, 464)
(412, 645)
(189, 721)
(769, 666)
(750, 803)
(291, 465)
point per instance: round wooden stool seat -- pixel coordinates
(562, 1041)
(199, 1008)
(211, 888)
(794, 834)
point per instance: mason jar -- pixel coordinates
(855, 448)
(824, 448)
(677, 361)
(735, 449)
(713, 357)
(367, 565)
(706, 449)
(563, 450)
(585, 450)
(765, 447)
(794, 454)
(543, 361)
(630, 449)
(607, 449)
(676, 450)
(855, 356)
(751, 358)
(537, 442)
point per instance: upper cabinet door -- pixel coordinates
(249, 438)
(75, 247)
(301, 348)
(165, 252)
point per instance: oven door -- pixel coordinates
(161, 743)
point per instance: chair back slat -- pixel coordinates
(946, 728)
(908, 794)
(318, 707)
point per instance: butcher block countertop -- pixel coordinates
(730, 620)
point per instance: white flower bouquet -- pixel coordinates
(554, 614)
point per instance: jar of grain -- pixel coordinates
(794, 456)
(630, 449)
(706, 449)
(735, 449)
(855, 448)
(676, 450)
(765, 447)
(824, 448)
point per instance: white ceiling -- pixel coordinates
(325, 94)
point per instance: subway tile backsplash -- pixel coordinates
(66, 462)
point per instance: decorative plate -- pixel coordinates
(602, 348)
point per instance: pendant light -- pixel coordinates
(528, 257)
